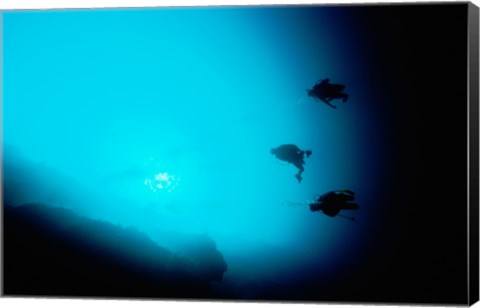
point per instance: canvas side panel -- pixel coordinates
(473, 72)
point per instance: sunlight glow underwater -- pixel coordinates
(162, 182)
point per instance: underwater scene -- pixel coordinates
(277, 153)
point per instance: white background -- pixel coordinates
(74, 303)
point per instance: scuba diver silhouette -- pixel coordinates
(293, 155)
(331, 203)
(326, 92)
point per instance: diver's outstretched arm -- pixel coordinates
(350, 206)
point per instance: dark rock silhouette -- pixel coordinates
(54, 252)
(27, 181)
(202, 254)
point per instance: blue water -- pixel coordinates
(163, 119)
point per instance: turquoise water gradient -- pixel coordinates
(197, 97)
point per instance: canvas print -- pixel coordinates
(268, 153)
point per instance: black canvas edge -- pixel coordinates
(473, 178)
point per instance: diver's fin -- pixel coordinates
(328, 103)
(298, 177)
(347, 217)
